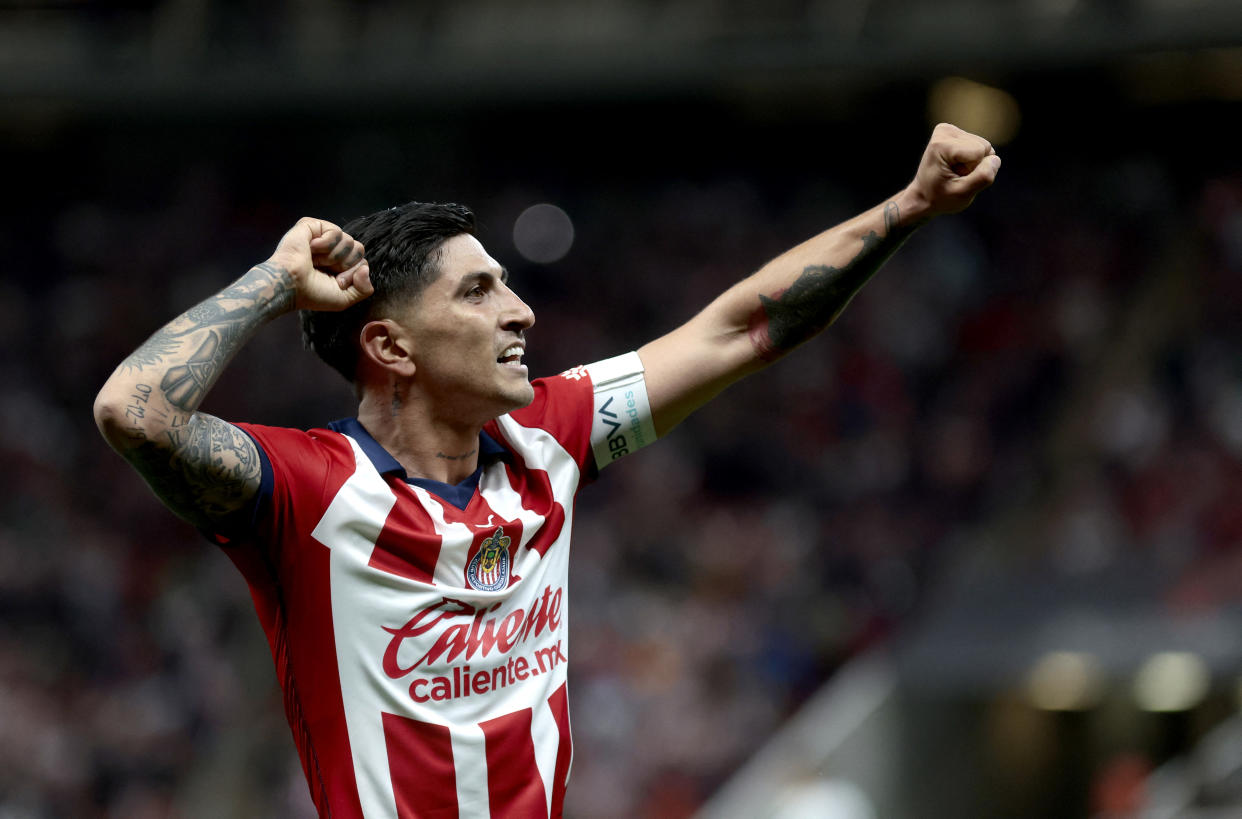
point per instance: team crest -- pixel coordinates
(489, 570)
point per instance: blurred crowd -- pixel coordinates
(1068, 347)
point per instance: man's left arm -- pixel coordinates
(799, 293)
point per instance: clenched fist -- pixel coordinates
(955, 167)
(326, 266)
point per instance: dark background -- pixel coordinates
(1022, 438)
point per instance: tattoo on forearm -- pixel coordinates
(232, 314)
(791, 316)
(892, 217)
(186, 384)
(152, 353)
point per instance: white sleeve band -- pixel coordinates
(621, 422)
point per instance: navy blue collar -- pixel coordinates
(457, 494)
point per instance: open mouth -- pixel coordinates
(512, 356)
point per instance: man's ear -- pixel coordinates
(385, 343)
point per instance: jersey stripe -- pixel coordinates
(548, 739)
(455, 539)
(542, 451)
(294, 607)
(559, 704)
(553, 482)
(537, 488)
(349, 527)
(471, 759)
(404, 547)
(420, 757)
(514, 785)
(503, 496)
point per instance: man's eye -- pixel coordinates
(475, 292)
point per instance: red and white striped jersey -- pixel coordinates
(420, 630)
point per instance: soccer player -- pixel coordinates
(409, 564)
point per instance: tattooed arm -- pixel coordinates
(798, 294)
(201, 467)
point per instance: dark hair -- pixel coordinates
(401, 248)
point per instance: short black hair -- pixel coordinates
(402, 245)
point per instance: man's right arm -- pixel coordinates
(201, 467)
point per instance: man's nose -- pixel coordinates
(518, 314)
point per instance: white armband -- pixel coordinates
(621, 422)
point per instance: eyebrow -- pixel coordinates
(479, 275)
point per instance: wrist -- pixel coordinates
(913, 207)
(272, 287)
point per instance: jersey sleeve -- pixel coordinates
(300, 469)
(598, 412)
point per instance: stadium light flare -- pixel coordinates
(981, 109)
(1171, 681)
(543, 233)
(1065, 681)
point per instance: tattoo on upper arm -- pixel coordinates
(789, 317)
(202, 468)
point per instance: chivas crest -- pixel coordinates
(489, 569)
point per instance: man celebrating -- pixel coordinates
(409, 565)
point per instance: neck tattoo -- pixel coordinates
(396, 400)
(456, 457)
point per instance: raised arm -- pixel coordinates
(799, 293)
(201, 467)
